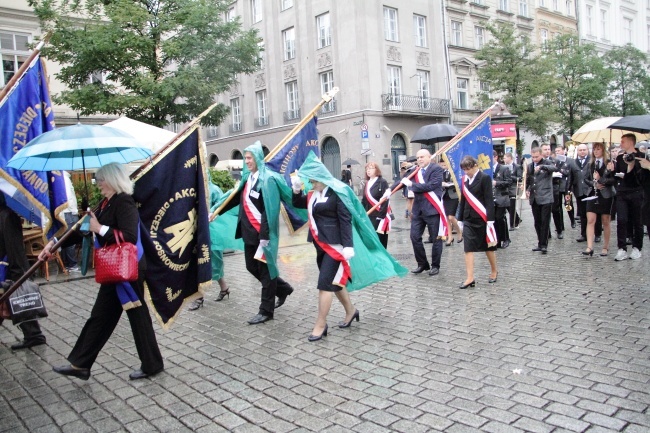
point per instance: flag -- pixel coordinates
(288, 158)
(476, 141)
(172, 197)
(25, 113)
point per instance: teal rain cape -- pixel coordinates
(371, 262)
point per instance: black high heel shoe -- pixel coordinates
(448, 244)
(313, 337)
(347, 324)
(223, 294)
(464, 286)
(589, 252)
(196, 304)
(493, 280)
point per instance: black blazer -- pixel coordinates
(606, 178)
(432, 182)
(449, 191)
(503, 179)
(481, 188)
(540, 184)
(377, 191)
(245, 229)
(579, 174)
(333, 219)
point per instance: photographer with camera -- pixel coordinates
(629, 198)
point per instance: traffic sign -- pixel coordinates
(364, 127)
(364, 134)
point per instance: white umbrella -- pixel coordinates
(151, 136)
(598, 131)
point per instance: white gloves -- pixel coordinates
(460, 225)
(296, 184)
(264, 243)
(387, 194)
(406, 182)
(348, 253)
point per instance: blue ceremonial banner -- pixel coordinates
(26, 113)
(172, 196)
(290, 157)
(477, 142)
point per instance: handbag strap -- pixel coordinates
(119, 237)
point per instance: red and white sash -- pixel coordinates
(443, 227)
(254, 217)
(385, 224)
(334, 251)
(490, 233)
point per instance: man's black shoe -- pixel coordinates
(68, 370)
(282, 299)
(420, 269)
(597, 239)
(544, 251)
(573, 225)
(259, 318)
(512, 229)
(581, 239)
(434, 271)
(26, 344)
(537, 249)
(139, 374)
(560, 235)
(505, 244)
(628, 241)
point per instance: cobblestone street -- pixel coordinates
(560, 343)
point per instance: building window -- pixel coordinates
(556, 5)
(542, 3)
(327, 84)
(543, 37)
(390, 25)
(485, 86)
(293, 109)
(14, 50)
(590, 20)
(603, 23)
(213, 131)
(229, 15)
(503, 5)
(235, 114)
(627, 30)
(286, 4)
(457, 33)
(289, 39)
(324, 30)
(262, 114)
(568, 7)
(420, 29)
(256, 11)
(479, 37)
(97, 77)
(424, 92)
(523, 8)
(461, 91)
(395, 86)
(478, 2)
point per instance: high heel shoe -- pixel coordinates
(464, 286)
(313, 337)
(589, 252)
(448, 244)
(223, 294)
(459, 240)
(493, 280)
(604, 252)
(347, 324)
(196, 304)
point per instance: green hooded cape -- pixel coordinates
(371, 262)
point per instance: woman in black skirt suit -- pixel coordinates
(601, 178)
(117, 211)
(376, 188)
(450, 201)
(476, 219)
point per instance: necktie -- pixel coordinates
(424, 170)
(598, 164)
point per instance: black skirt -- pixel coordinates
(475, 238)
(600, 206)
(450, 204)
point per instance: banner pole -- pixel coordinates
(23, 68)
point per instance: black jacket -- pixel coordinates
(333, 219)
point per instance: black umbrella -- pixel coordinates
(350, 161)
(639, 123)
(435, 133)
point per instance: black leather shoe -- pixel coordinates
(597, 239)
(581, 239)
(544, 250)
(434, 271)
(139, 374)
(68, 370)
(560, 235)
(573, 225)
(281, 299)
(505, 244)
(465, 286)
(512, 229)
(537, 249)
(26, 344)
(420, 269)
(313, 337)
(259, 318)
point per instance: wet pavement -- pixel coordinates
(558, 344)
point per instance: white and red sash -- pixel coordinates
(385, 224)
(334, 251)
(443, 227)
(490, 233)
(254, 216)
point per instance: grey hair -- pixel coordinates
(114, 174)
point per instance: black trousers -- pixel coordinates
(501, 224)
(512, 212)
(32, 331)
(628, 208)
(100, 325)
(418, 224)
(558, 215)
(582, 215)
(271, 287)
(542, 217)
(571, 213)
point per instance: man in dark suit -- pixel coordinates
(539, 189)
(559, 187)
(581, 188)
(501, 182)
(515, 173)
(570, 163)
(424, 213)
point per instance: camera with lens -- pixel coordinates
(628, 157)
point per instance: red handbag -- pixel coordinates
(117, 262)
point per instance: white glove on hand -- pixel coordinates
(348, 253)
(387, 194)
(296, 184)
(460, 225)
(264, 243)
(406, 182)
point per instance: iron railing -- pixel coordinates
(261, 122)
(328, 109)
(291, 115)
(414, 104)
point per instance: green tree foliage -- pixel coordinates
(163, 60)
(581, 79)
(222, 179)
(630, 82)
(514, 71)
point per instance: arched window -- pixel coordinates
(331, 156)
(212, 161)
(265, 150)
(397, 148)
(236, 154)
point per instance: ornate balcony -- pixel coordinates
(291, 115)
(414, 106)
